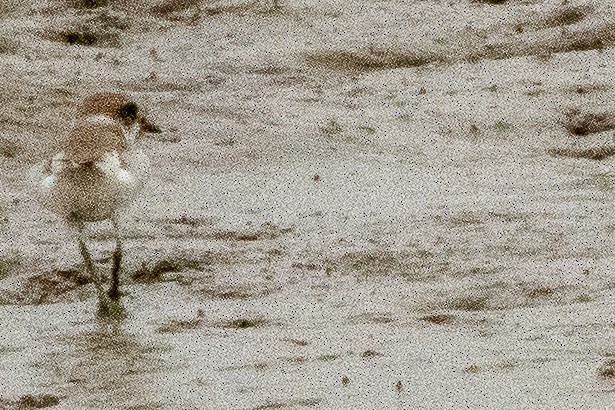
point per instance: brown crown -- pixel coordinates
(118, 106)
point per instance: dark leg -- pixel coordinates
(87, 259)
(114, 290)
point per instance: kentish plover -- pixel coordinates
(97, 173)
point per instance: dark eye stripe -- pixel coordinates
(129, 111)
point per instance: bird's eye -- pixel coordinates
(129, 111)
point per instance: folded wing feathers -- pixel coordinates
(92, 137)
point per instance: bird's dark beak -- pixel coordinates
(147, 126)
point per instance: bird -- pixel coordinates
(96, 174)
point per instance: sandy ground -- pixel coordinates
(370, 205)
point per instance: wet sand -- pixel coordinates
(400, 205)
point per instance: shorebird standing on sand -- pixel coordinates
(96, 174)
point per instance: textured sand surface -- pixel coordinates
(355, 205)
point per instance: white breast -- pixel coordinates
(92, 191)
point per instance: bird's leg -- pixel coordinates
(89, 265)
(114, 290)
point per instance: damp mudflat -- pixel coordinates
(400, 205)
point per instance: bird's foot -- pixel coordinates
(115, 294)
(110, 309)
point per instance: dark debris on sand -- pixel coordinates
(50, 286)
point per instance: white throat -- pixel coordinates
(132, 133)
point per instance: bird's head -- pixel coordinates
(118, 106)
